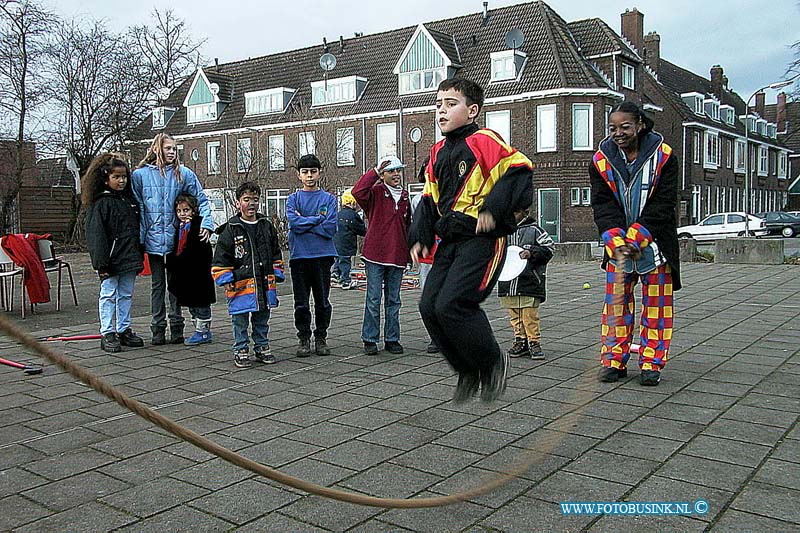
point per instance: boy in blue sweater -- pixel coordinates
(311, 213)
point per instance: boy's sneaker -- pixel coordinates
(536, 350)
(130, 339)
(321, 346)
(393, 347)
(520, 348)
(241, 359)
(198, 337)
(304, 348)
(650, 378)
(264, 355)
(610, 374)
(467, 387)
(110, 343)
(370, 348)
(494, 380)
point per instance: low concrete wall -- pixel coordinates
(688, 249)
(749, 251)
(572, 252)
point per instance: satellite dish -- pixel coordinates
(163, 93)
(514, 39)
(327, 61)
(415, 135)
(214, 88)
(195, 155)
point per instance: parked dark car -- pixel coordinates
(781, 223)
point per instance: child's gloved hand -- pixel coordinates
(103, 275)
(323, 210)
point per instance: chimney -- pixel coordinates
(760, 103)
(633, 28)
(485, 13)
(652, 50)
(718, 81)
(780, 113)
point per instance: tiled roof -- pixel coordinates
(224, 82)
(594, 37)
(553, 63)
(447, 44)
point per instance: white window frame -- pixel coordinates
(515, 58)
(729, 151)
(628, 76)
(159, 117)
(541, 146)
(714, 106)
(575, 196)
(212, 155)
(421, 81)
(589, 144)
(346, 147)
(201, 113)
(385, 139)
(608, 109)
(763, 160)
(782, 165)
(711, 143)
(244, 154)
(739, 154)
(335, 91)
(306, 143)
(277, 155)
(275, 195)
(500, 122)
(586, 196)
(697, 145)
(267, 101)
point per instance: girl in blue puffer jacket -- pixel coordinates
(156, 184)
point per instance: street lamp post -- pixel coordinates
(747, 179)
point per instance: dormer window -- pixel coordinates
(337, 91)
(695, 101)
(727, 114)
(429, 58)
(761, 126)
(749, 122)
(772, 130)
(507, 65)
(268, 101)
(628, 76)
(203, 102)
(711, 108)
(161, 116)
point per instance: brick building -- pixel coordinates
(786, 115)
(549, 85)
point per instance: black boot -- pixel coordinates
(110, 343)
(520, 348)
(159, 336)
(176, 334)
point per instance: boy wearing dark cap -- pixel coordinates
(311, 213)
(387, 207)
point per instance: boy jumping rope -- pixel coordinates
(474, 184)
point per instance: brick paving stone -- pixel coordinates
(437, 459)
(279, 522)
(612, 467)
(661, 489)
(685, 413)
(647, 524)
(642, 446)
(244, 501)
(368, 418)
(565, 486)
(665, 428)
(345, 401)
(769, 500)
(259, 430)
(326, 434)
(89, 517)
(181, 518)
(769, 401)
(781, 473)
(726, 450)
(758, 415)
(356, 455)
(134, 444)
(328, 514)
(702, 471)
(733, 521)
(15, 480)
(471, 477)
(406, 404)
(401, 436)
(788, 450)
(744, 431)
(16, 511)
(457, 517)
(439, 419)
(74, 490)
(213, 475)
(278, 451)
(63, 465)
(145, 467)
(318, 472)
(475, 439)
(390, 481)
(557, 443)
(154, 496)
(531, 514)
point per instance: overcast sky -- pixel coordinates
(750, 38)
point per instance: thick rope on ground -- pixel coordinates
(546, 443)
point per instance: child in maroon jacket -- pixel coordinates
(388, 210)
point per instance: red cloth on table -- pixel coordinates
(24, 251)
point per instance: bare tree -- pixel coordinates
(167, 49)
(23, 26)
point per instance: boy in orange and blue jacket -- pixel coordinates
(247, 262)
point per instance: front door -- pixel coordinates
(550, 212)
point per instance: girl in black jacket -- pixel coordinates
(112, 234)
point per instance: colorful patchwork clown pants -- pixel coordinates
(655, 324)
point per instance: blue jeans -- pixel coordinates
(343, 266)
(115, 299)
(260, 322)
(386, 279)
